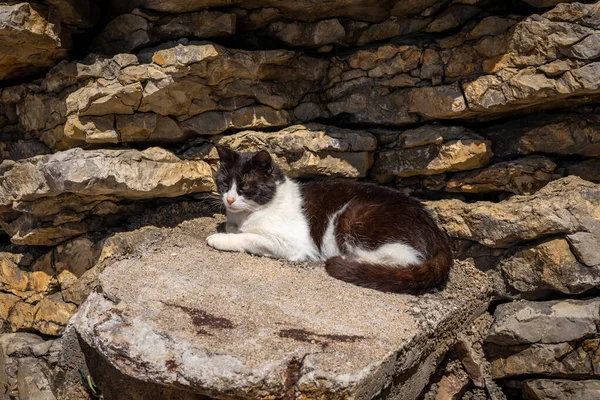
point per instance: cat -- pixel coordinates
(368, 235)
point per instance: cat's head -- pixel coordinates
(247, 180)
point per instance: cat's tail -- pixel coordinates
(413, 279)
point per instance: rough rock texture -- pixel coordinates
(230, 326)
(527, 322)
(523, 176)
(431, 150)
(547, 389)
(26, 363)
(564, 206)
(561, 360)
(110, 111)
(31, 40)
(41, 295)
(45, 200)
(310, 150)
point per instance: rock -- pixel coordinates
(545, 3)
(129, 32)
(310, 150)
(567, 205)
(34, 380)
(131, 102)
(453, 383)
(431, 150)
(522, 176)
(560, 360)
(26, 283)
(588, 169)
(452, 17)
(300, 10)
(438, 102)
(26, 366)
(547, 389)
(533, 272)
(565, 134)
(48, 199)
(215, 346)
(470, 352)
(7, 303)
(31, 40)
(586, 247)
(52, 314)
(528, 322)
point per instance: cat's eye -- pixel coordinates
(245, 187)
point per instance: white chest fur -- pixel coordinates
(283, 223)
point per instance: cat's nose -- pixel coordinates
(230, 200)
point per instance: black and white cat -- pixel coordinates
(368, 235)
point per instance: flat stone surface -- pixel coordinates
(239, 326)
(525, 322)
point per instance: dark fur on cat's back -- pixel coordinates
(378, 215)
(364, 216)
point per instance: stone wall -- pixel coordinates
(486, 110)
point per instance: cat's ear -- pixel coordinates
(226, 155)
(262, 159)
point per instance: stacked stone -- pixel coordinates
(486, 110)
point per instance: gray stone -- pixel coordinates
(234, 326)
(527, 322)
(586, 247)
(551, 389)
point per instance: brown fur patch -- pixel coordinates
(375, 216)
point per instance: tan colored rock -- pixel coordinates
(51, 315)
(31, 40)
(310, 150)
(566, 205)
(438, 102)
(327, 31)
(73, 259)
(59, 196)
(27, 283)
(549, 266)
(452, 17)
(561, 360)
(522, 176)
(430, 150)
(179, 92)
(21, 316)
(453, 383)
(7, 303)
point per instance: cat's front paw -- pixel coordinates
(219, 241)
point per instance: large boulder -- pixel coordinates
(237, 326)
